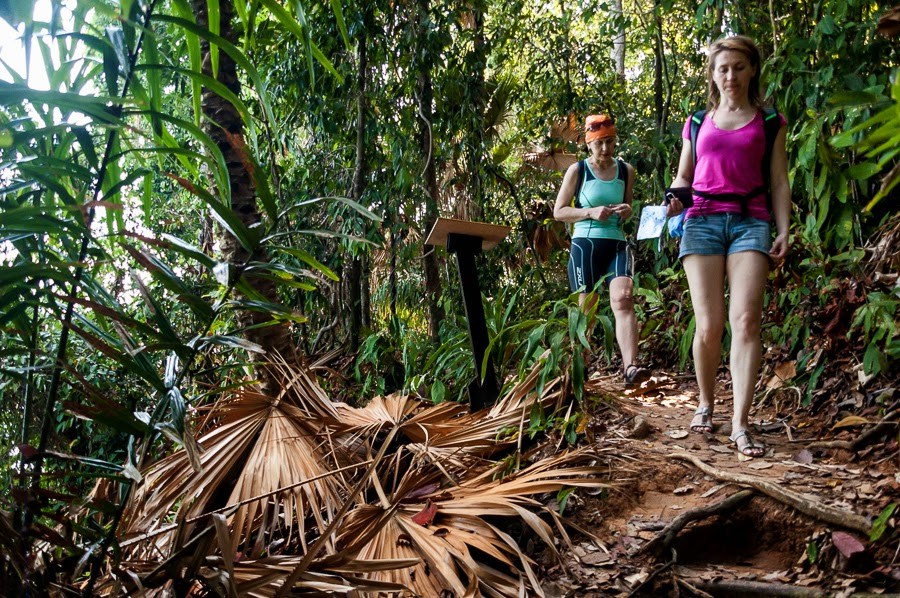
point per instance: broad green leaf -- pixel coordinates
(863, 171)
(308, 258)
(844, 99)
(344, 200)
(186, 249)
(108, 413)
(192, 41)
(879, 526)
(234, 342)
(342, 26)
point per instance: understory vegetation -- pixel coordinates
(229, 364)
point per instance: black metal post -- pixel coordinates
(466, 247)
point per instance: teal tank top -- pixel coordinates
(596, 192)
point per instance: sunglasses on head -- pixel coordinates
(598, 124)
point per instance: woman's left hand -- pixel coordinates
(623, 210)
(779, 248)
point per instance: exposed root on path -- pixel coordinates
(804, 504)
(742, 587)
(662, 541)
(886, 425)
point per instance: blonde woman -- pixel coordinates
(736, 181)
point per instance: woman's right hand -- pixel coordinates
(675, 208)
(600, 213)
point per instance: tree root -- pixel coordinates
(863, 440)
(742, 587)
(667, 535)
(804, 504)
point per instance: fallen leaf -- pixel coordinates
(850, 421)
(848, 544)
(597, 558)
(720, 448)
(426, 515)
(804, 456)
(682, 490)
(760, 465)
(637, 578)
(786, 370)
(712, 490)
(677, 434)
(865, 489)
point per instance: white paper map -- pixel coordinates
(653, 220)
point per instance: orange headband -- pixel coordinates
(598, 126)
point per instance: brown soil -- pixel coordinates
(762, 540)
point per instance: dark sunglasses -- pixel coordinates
(597, 125)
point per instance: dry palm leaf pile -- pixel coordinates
(296, 494)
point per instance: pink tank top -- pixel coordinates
(729, 162)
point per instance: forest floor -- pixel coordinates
(760, 547)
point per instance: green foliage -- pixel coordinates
(880, 525)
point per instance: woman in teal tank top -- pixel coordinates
(596, 208)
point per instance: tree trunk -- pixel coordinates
(478, 64)
(224, 126)
(618, 53)
(357, 277)
(429, 259)
(659, 106)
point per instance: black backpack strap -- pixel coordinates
(576, 200)
(696, 121)
(622, 171)
(771, 126)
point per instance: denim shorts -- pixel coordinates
(593, 260)
(724, 234)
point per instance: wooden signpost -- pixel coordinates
(467, 239)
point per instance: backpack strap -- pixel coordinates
(771, 126)
(576, 200)
(696, 121)
(622, 171)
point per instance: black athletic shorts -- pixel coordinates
(592, 260)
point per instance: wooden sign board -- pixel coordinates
(490, 234)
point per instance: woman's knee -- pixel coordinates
(709, 331)
(621, 296)
(746, 326)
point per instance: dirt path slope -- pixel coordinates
(760, 547)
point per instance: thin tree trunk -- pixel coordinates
(357, 279)
(619, 40)
(478, 64)
(429, 259)
(224, 126)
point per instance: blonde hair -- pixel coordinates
(745, 46)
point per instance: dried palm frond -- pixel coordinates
(258, 448)
(550, 160)
(459, 549)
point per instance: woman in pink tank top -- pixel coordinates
(727, 230)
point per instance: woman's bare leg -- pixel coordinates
(621, 299)
(706, 280)
(747, 273)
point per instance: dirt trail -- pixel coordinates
(762, 545)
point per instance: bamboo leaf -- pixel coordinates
(308, 258)
(342, 26)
